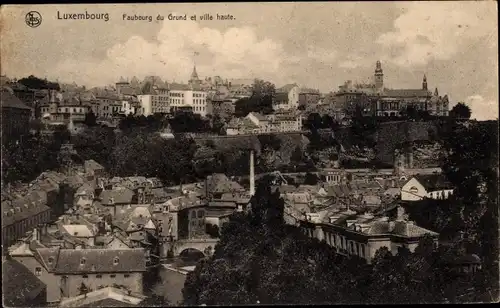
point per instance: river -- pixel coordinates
(172, 276)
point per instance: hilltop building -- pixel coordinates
(377, 100)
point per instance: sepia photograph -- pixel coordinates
(273, 153)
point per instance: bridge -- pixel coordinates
(206, 246)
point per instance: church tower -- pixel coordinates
(379, 76)
(436, 93)
(424, 83)
(194, 80)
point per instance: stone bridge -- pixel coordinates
(201, 245)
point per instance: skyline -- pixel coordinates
(281, 43)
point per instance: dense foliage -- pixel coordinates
(259, 259)
(460, 111)
(33, 82)
(260, 101)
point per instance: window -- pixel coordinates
(126, 275)
(51, 260)
(38, 271)
(413, 190)
(116, 261)
(112, 276)
(98, 276)
(83, 261)
(85, 276)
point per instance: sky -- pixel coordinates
(318, 45)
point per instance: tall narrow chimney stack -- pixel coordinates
(252, 175)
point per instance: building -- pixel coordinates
(150, 104)
(15, 116)
(20, 215)
(63, 111)
(221, 106)
(71, 272)
(308, 97)
(362, 235)
(376, 100)
(287, 97)
(186, 96)
(432, 186)
(256, 123)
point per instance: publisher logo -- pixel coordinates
(33, 19)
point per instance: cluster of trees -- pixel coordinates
(260, 259)
(182, 122)
(315, 121)
(33, 82)
(138, 153)
(460, 111)
(24, 159)
(261, 100)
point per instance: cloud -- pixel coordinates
(482, 109)
(355, 61)
(439, 31)
(236, 52)
(321, 55)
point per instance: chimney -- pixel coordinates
(252, 174)
(400, 213)
(35, 234)
(206, 187)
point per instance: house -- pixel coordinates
(117, 199)
(308, 97)
(15, 116)
(432, 186)
(81, 232)
(287, 97)
(21, 215)
(65, 271)
(362, 235)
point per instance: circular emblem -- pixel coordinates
(33, 19)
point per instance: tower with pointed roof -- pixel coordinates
(379, 76)
(424, 83)
(436, 93)
(194, 80)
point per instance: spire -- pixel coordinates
(194, 75)
(436, 93)
(424, 83)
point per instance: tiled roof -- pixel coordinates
(371, 200)
(78, 230)
(101, 261)
(178, 87)
(286, 88)
(105, 297)
(20, 285)
(409, 229)
(92, 165)
(433, 182)
(281, 97)
(18, 213)
(9, 100)
(119, 196)
(219, 182)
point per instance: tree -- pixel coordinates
(297, 156)
(460, 111)
(83, 289)
(33, 82)
(90, 119)
(314, 121)
(311, 179)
